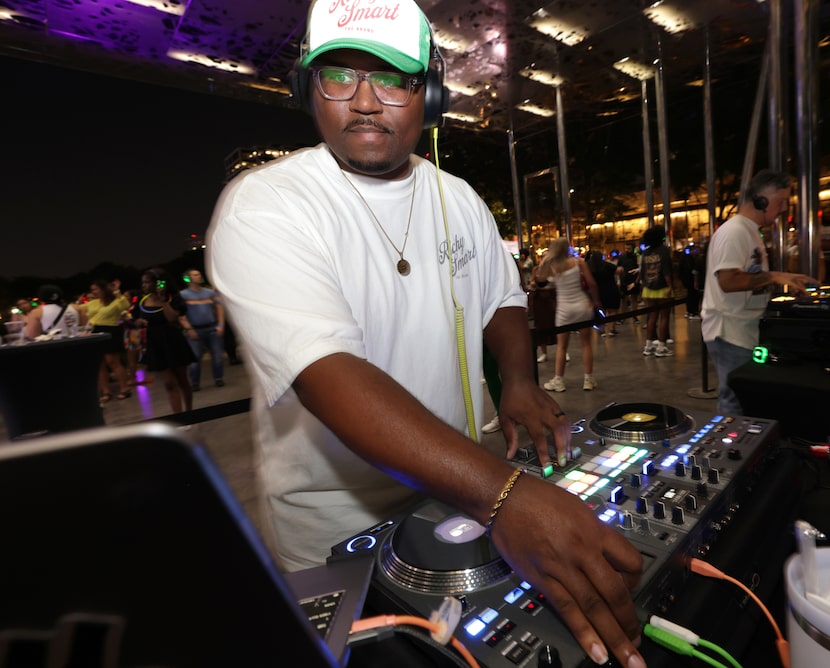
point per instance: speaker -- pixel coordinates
(760, 202)
(436, 94)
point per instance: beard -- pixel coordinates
(371, 167)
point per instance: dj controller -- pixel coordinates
(672, 482)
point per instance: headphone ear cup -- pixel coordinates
(436, 98)
(299, 86)
(760, 202)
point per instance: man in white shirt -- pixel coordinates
(364, 285)
(738, 280)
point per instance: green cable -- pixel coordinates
(461, 343)
(678, 645)
(719, 650)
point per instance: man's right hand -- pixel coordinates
(586, 569)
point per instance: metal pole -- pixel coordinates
(754, 125)
(807, 67)
(708, 138)
(663, 144)
(514, 173)
(648, 174)
(776, 89)
(563, 163)
(775, 124)
(706, 392)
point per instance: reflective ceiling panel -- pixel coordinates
(500, 54)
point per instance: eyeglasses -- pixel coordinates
(340, 84)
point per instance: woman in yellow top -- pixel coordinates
(105, 311)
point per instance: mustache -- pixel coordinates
(367, 122)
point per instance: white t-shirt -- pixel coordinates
(305, 272)
(734, 316)
(67, 324)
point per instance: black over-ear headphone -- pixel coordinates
(436, 94)
(760, 202)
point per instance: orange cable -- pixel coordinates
(401, 620)
(703, 568)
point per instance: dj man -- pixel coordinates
(738, 279)
(345, 268)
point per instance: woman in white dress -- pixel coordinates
(574, 303)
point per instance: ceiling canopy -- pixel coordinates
(504, 57)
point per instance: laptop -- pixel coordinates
(125, 547)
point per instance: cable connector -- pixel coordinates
(820, 451)
(675, 629)
(668, 640)
(446, 619)
(704, 568)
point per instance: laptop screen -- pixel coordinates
(125, 546)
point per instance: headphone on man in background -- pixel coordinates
(436, 94)
(760, 202)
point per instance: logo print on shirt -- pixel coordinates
(459, 254)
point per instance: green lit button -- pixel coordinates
(760, 354)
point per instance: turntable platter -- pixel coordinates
(641, 422)
(436, 549)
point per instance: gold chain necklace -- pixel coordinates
(403, 265)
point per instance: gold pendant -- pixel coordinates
(403, 267)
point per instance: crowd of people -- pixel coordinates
(157, 329)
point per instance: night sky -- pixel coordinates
(97, 169)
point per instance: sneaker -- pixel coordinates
(669, 340)
(567, 357)
(589, 383)
(493, 425)
(542, 358)
(612, 332)
(663, 351)
(555, 384)
(220, 383)
(649, 348)
(636, 321)
(694, 316)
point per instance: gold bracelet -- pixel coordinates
(508, 486)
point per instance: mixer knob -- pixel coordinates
(648, 467)
(691, 460)
(641, 505)
(602, 440)
(677, 515)
(714, 476)
(680, 470)
(691, 502)
(627, 521)
(645, 525)
(702, 490)
(635, 480)
(734, 454)
(666, 442)
(697, 472)
(660, 510)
